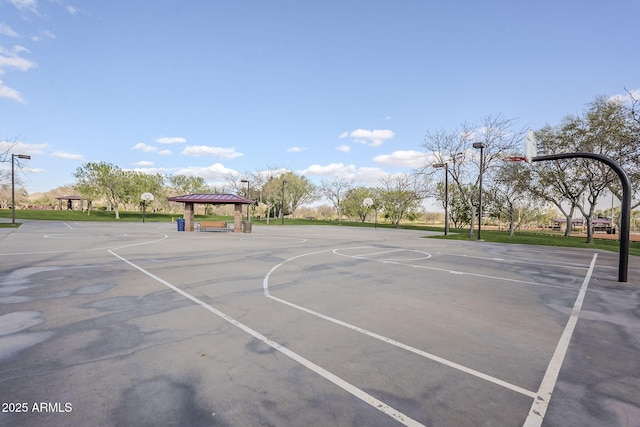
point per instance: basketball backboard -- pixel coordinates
(530, 146)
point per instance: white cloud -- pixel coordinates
(19, 49)
(216, 172)
(45, 33)
(373, 138)
(625, 98)
(344, 148)
(144, 163)
(22, 148)
(10, 93)
(207, 150)
(12, 60)
(295, 149)
(402, 158)
(25, 5)
(369, 176)
(8, 31)
(164, 152)
(152, 171)
(171, 140)
(144, 147)
(67, 156)
(329, 170)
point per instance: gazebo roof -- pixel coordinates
(211, 198)
(69, 198)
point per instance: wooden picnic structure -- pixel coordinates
(70, 202)
(190, 200)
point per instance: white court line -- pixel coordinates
(478, 374)
(519, 261)
(390, 261)
(346, 386)
(164, 236)
(542, 398)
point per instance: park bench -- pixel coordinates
(212, 225)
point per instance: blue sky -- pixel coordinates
(322, 88)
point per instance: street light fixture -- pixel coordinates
(247, 196)
(446, 194)
(13, 185)
(481, 146)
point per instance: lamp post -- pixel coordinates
(247, 196)
(446, 195)
(282, 202)
(13, 184)
(481, 146)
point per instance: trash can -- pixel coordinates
(246, 226)
(180, 222)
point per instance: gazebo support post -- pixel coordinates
(188, 217)
(237, 218)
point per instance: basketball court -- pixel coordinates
(139, 324)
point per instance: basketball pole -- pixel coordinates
(625, 215)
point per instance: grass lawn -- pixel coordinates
(521, 237)
(543, 239)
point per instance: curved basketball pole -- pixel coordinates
(625, 217)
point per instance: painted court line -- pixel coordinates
(505, 279)
(346, 386)
(540, 398)
(541, 401)
(430, 356)
(414, 350)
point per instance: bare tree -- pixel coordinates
(498, 136)
(335, 191)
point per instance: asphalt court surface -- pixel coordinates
(138, 324)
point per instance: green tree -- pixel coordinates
(147, 183)
(102, 179)
(285, 193)
(607, 128)
(555, 181)
(399, 197)
(183, 184)
(353, 206)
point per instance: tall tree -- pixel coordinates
(507, 192)
(184, 184)
(556, 181)
(499, 137)
(336, 190)
(400, 196)
(102, 180)
(353, 206)
(286, 192)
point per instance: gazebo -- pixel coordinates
(190, 200)
(70, 200)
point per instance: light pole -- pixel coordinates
(13, 185)
(282, 202)
(446, 195)
(480, 145)
(247, 196)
